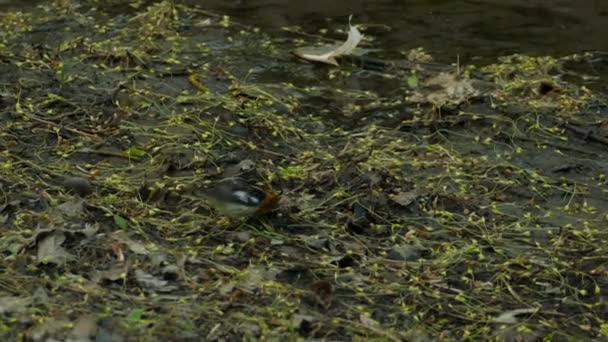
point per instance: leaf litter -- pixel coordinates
(418, 201)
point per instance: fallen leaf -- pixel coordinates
(137, 247)
(253, 278)
(405, 198)
(49, 327)
(150, 282)
(72, 209)
(368, 322)
(511, 315)
(13, 304)
(244, 166)
(227, 288)
(40, 296)
(50, 250)
(445, 88)
(107, 330)
(405, 253)
(375, 326)
(90, 229)
(299, 319)
(324, 293)
(84, 329)
(353, 39)
(116, 272)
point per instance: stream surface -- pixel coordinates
(446, 28)
(416, 204)
(470, 29)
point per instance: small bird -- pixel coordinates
(237, 199)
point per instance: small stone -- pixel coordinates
(242, 236)
(84, 329)
(78, 185)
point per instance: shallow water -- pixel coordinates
(446, 28)
(410, 213)
(471, 29)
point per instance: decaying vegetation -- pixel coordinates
(419, 203)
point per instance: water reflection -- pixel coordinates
(445, 28)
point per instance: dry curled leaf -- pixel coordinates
(50, 250)
(329, 57)
(150, 282)
(511, 315)
(444, 88)
(324, 293)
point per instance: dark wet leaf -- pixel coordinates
(107, 330)
(121, 222)
(324, 293)
(347, 261)
(50, 250)
(359, 221)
